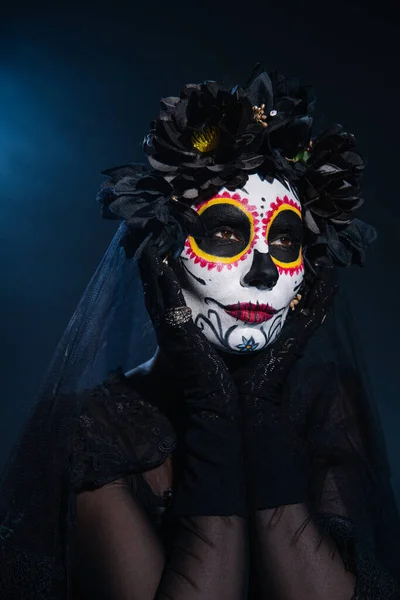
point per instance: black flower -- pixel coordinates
(289, 107)
(212, 136)
(144, 201)
(331, 178)
(205, 139)
(341, 247)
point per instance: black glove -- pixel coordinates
(276, 464)
(212, 481)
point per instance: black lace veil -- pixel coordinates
(110, 330)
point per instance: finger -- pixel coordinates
(327, 289)
(171, 289)
(149, 263)
(150, 266)
(322, 291)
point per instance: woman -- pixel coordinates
(244, 459)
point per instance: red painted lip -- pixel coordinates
(251, 313)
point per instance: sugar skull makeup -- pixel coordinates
(240, 279)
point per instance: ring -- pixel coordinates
(178, 315)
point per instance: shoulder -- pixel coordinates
(323, 392)
(118, 433)
(323, 378)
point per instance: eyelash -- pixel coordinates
(284, 237)
(226, 229)
(277, 242)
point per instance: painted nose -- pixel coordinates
(263, 273)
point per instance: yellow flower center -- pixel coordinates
(206, 140)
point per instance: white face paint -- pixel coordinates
(241, 278)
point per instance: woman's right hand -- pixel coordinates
(207, 383)
(212, 481)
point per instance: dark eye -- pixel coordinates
(226, 234)
(284, 242)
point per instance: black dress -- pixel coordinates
(130, 425)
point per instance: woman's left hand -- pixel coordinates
(276, 467)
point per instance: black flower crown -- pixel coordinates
(213, 136)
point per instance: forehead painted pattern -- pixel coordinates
(260, 225)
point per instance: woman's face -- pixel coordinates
(240, 279)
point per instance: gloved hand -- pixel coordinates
(212, 481)
(276, 465)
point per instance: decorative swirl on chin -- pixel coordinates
(202, 321)
(274, 330)
(223, 338)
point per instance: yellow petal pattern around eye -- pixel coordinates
(278, 207)
(211, 260)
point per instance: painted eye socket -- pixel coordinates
(284, 236)
(230, 230)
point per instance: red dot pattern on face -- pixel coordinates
(291, 270)
(280, 204)
(218, 264)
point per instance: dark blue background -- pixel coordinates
(78, 88)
